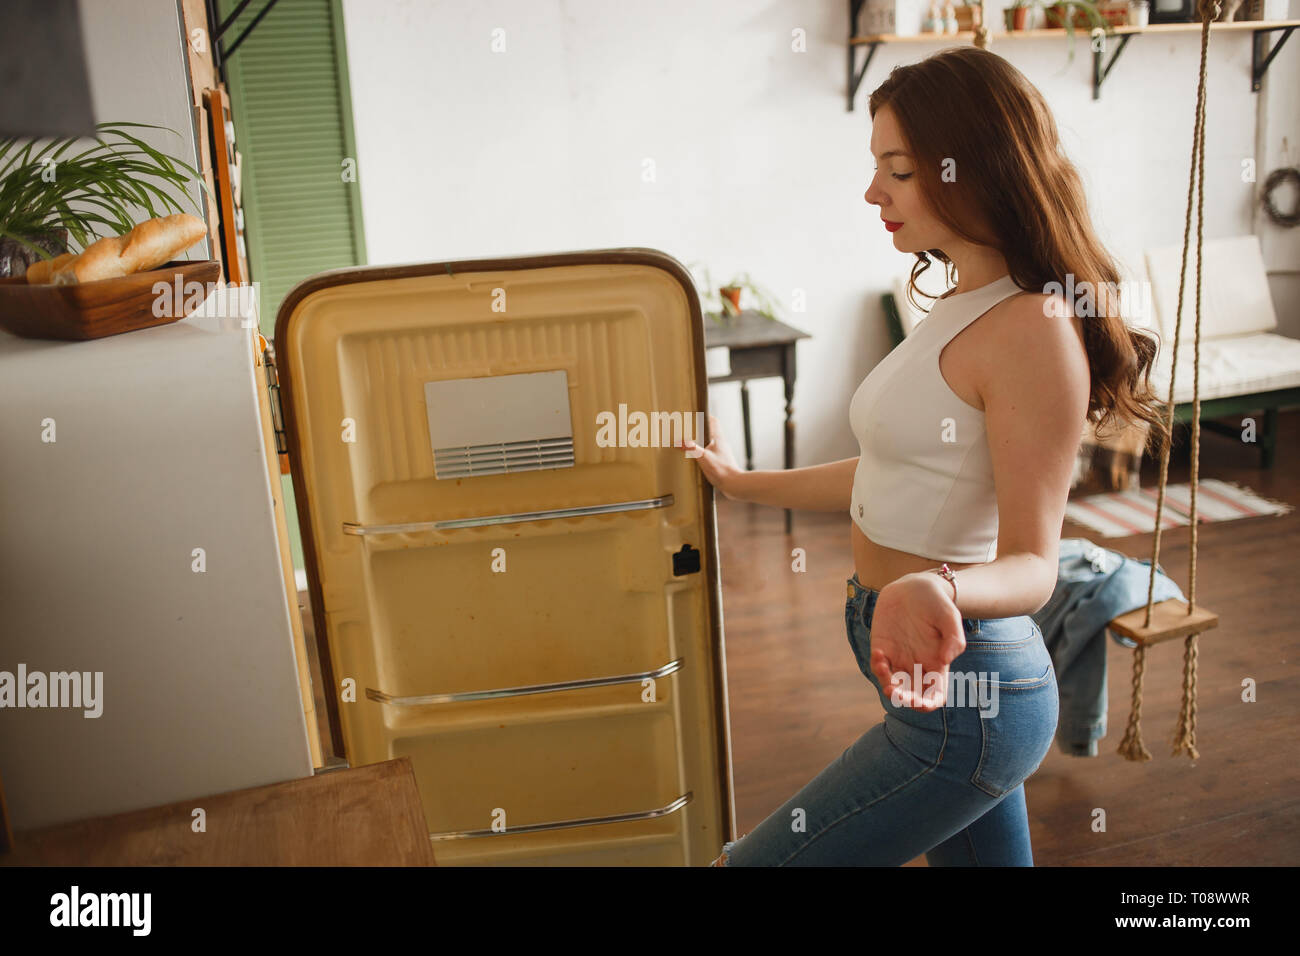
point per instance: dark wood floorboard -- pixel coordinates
(797, 698)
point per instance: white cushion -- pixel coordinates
(1234, 365)
(1234, 289)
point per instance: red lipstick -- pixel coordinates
(892, 226)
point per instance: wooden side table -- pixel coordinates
(758, 347)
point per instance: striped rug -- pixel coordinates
(1120, 513)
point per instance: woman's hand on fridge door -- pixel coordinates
(715, 459)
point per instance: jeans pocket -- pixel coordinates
(1018, 734)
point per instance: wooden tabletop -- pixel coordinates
(364, 816)
(749, 329)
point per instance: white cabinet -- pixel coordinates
(140, 545)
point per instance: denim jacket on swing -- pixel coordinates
(1093, 586)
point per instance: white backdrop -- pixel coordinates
(757, 165)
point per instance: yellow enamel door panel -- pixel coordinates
(513, 573)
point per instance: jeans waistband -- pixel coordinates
(860, 594)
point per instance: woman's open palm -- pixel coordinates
(911, 626)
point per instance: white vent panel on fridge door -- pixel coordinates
(498, 424)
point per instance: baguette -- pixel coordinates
(154, 241)
(100, 260)
(39, 272)
(145, 247)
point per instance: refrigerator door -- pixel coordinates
(513, 573)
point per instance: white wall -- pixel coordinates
(1278, 145)
(135, 59)
(463, 152)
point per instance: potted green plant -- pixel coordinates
(722, 303)
(1076, 13)
(47, 200)
(1017, 15)
(1057, 14)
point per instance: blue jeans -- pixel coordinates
(948, 783)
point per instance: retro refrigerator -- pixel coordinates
(513, 572)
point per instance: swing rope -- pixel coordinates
(1184, 739)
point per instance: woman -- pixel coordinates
(968, 432)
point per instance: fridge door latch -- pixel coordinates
(686, 561)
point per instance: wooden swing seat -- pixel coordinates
(1169, 620)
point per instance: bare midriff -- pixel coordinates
(877, 565)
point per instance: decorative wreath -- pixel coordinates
(1276, 178)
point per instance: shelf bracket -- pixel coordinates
(855, 76)
(1099, 72)
(1258, 66)
(219, 55)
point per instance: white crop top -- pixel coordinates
(924, 482)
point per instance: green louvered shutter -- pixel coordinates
(289, 93)
(288, 86)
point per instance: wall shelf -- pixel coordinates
(1262, 55)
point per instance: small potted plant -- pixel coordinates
(1077, 13)
(731, 298)
(1017, 15)
(1058, 14)
(45, 199)
(722, 303)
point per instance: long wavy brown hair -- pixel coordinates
(967, 111)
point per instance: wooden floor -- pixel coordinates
(797, 698)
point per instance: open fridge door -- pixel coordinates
(513, 574)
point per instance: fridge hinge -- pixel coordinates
(273, 387)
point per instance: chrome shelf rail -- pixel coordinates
(500, 692)
(564, 824)
(644, 504)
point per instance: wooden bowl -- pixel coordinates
(92, 310)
